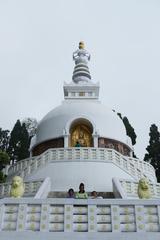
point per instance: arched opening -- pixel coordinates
(81, 133)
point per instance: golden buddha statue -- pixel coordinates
(82, 135)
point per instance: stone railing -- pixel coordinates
(135, 167)
(31, 188)
(77, 215)
(128, 189)
(20, 166)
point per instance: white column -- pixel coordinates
(66, 140)
(95, 140)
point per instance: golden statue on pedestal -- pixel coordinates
(17, 187)
(144, 189)
(81, 136)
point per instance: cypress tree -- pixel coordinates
(19, 142)
(4, 160)
(24, 143)
(129, 129)
(153, 149)
(4, 139)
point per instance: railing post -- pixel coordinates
(21, 164)
(158, 211)
(132, 188)
(92, 218)
(115, 218)
(35, 165)
(31, 186)
(139, 218)
(68, 218)
(2, 210)
(121, 161)
(28, 170)
(3, 187)
(154, 189)
(44, 221)
(21, 218)
(111, 156)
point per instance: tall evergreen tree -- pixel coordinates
(14, 141)
(4, 139)
(19, 142)
(4, 160)
(24, 143)
(129, 129)
(31, 126)
(153, 149)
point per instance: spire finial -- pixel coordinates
(81, 45)
(81, 57)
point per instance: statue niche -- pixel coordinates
(81, 134)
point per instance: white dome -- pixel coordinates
(57, 122)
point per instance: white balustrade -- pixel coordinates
(135, 167)
(128, 188)
(75, 215)
(31, 188)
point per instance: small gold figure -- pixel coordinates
(144, 189)
(81, 45)
(17, 187)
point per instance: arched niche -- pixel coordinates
(81, 131)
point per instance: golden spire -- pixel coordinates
(81, 45)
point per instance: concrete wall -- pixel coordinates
(95, 175)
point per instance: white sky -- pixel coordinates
(37, 39)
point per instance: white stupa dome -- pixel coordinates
(104, 121)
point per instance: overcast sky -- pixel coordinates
(37, 39)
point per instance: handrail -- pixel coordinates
(31, 188)
(129, 188)
(77, 215)
(136, 168)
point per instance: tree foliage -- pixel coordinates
(19, 142)
(4, 139)
(129, 129)
(153, 149)
(4, 160)
(31, 126)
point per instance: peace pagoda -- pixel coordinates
(80, 141)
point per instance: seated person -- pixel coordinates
(71, 193)
(77, 144)
(95, 195)
(81, 194)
